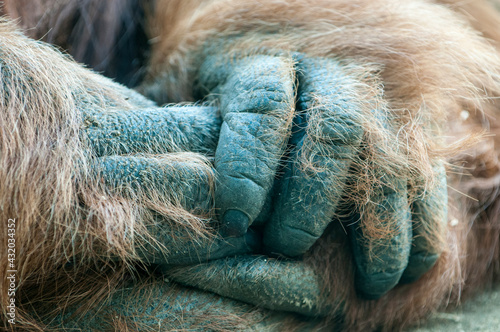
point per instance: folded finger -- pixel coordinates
(381, 242)
(182, 179)
(257, 105)
(151, 130)
(326, 137)
(429, 217)
(179, 181)
(270, 283)
(176, 246)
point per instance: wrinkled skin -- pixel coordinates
(288, 205)
(288, 137)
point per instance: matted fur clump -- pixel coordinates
(431, 67)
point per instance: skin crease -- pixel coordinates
(121, 201)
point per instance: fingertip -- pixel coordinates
(419, 264)
(234, 223)
(374, 286)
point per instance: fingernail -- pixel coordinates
(374, 286)
(234, 223)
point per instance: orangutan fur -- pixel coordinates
(439, 65)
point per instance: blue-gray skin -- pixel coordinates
(429, 216)
(164, 306)
(257, 99)
(131, 151)
(409, 253)
(262, 116)
(281, 285)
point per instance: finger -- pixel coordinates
(182, 179)
(382, 258)
(429, 216)
(178, 180)
(171, 308)
(151, 130)
(256, 102)
(270, 283)
(326, 139)
(176, 246)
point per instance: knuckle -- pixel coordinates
(263, 84)
(335, 121)
(271, 99)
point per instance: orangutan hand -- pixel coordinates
(295, 146)
(302, 136)
(142, 154)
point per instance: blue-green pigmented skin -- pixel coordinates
(182, 182)
(380, 263)
(265, 282)
(309, 195)
(171, 308)
(151, 130)
(429, 214)
(183, 249)
(257, 105)
(256, 97)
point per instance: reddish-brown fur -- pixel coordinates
(436, 60)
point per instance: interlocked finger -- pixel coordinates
(429, 217)
(381, 260)
(327, 135)
(266, 282)
(151, 130)
(257, 106)
(183, 181)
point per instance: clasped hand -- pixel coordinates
(298, 142)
